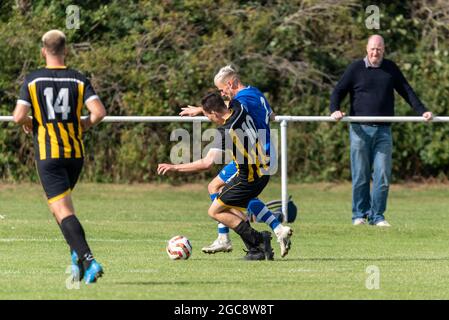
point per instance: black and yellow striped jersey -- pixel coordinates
(56, 97)
(240, 136)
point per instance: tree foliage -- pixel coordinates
(152, 57)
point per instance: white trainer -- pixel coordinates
(284, 240)
(383, 223)
(219, 245)
(359, 222)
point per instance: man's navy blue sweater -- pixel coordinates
(371, 90)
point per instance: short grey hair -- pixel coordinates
(226, 73)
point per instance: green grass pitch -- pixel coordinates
(128, 225)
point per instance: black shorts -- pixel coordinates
(239, 192)
(58, 176)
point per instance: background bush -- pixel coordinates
(152, 57)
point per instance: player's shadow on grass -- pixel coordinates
(370, 259)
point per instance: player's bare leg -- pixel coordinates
(62, 208)
(222, 243)
(215, 185)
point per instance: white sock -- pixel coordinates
(278, 229)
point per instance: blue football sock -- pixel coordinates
(262, 214)
(222, 230)
(213, 196)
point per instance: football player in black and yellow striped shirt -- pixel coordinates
(56, 95)
(237, 133)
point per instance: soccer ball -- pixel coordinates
(179, 248)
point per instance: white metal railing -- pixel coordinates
(278, 119)
(283, 124)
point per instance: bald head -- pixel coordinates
(375, 49)
(54, 42)
(376, 39)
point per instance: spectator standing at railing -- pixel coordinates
(371, 82)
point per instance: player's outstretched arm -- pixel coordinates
(21, 117)
(213, 156)
(97, 113)
(191, 111)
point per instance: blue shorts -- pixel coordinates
(228, 172)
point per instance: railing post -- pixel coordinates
(284, 181)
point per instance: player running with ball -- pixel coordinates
(228, 82)
(238, 134)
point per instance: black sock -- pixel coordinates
(250, 236)
(247, 244)
(71, 248)
(74, 234)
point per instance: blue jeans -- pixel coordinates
(371, 150)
